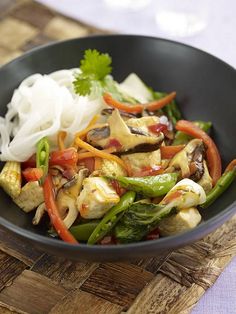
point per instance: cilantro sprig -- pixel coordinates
(95, 66)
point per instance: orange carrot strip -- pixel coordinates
(99, 153)
(121, 106)
(98, 163)
(168, 152)
(61, 135)
(85, 155)
(160, 103)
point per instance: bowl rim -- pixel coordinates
(164, 243)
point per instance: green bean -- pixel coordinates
(83, 231)
(222, 185)
(111, 218)
(42, 156)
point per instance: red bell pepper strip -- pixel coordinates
(168, 152)
(32, 174)
(148, 171)
(29, 163)
(66, 157)
(157, 128)
(57, 222)
(231, 166)
(121, 106)
(213, 155)
(160, 103)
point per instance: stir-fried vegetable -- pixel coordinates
(150, 186)
(183, 138)
(213, 155)
(160, 103)
(221, 185)
(133, 171)
(83, 231)
(58, 224)
(143, 217)
(42, 157)
(111, 218)
(66, 157)
(168, 152)
(33, 174)
(99, 153)
(121, 106)
(10, 178)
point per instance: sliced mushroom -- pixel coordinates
(126, 115)
(123, 132)
(197, 160)
(193, 152)
(41, 209)
(206, 180)
(66, 198)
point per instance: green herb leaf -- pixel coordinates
(94, 67)
(96, 64)
(82, 85)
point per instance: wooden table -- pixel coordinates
(34, 282)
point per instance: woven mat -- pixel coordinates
(34, 282)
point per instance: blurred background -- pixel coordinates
(206, 24)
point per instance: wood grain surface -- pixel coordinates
(34, 282)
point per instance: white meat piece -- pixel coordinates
(96, 198)
(184, 220)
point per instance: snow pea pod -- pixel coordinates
(150, 186)
(111, 218)
(83, 231)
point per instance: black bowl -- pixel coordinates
(206, 90)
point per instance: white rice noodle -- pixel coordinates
(41, 106)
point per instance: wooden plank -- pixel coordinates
(6, 6)
(200, 263)
(152, 264)
(32, 293)
(34, 14)
(85, 303)
(18, 248)
(158, 297)
(38, 40)
(10, 268)
(66, 273)
(61, 28)
(4, 310)
(15, 33)
(119, 283)
(7, 55)
(192, 265)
